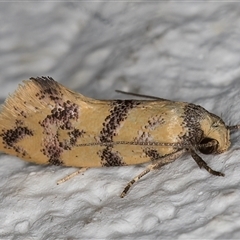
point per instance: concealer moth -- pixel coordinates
(43, 122)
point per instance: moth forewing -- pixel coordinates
(45, 123)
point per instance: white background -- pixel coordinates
(181, 51)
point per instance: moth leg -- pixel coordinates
(62, 180)
(157, 164)
(201, 163)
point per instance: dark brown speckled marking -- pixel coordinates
(75, 135)
(61, 118)
(152, 154)
(118, 113)
(12, 136)
(193, 114)
(111, 158)
(48, 89)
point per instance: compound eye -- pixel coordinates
(208, 149)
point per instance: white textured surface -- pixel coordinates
(180, 51)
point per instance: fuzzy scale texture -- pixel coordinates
(180, 51)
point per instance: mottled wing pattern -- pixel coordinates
(45, 123)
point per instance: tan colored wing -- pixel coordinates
(45, 123)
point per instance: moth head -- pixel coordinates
(216, 135)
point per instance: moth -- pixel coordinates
(43, 122)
